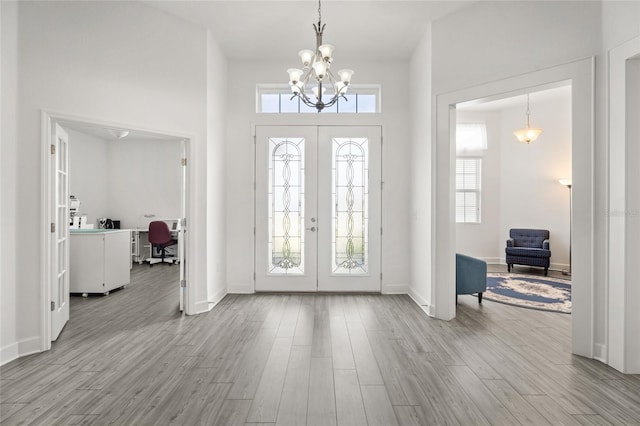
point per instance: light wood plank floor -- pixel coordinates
(131, 359)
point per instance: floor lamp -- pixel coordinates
(567, 183)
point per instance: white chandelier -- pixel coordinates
(317, 65)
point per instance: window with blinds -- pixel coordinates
(468, 180)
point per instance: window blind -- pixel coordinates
(468, 183)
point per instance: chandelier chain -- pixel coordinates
(319, 14)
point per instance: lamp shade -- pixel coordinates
(294, 75)
(345, 75)
(528, 134)
(565, 182)
(320, 68)
(326, 50)
(306, 56)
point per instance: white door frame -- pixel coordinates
(48, 118)
(623, 308)
(581, 75)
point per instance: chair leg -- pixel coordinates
(546, 271)
(480, 297)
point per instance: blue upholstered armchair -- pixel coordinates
(471, 276)
(528, 247)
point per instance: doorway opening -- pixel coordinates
(121, 178)
(503, 184)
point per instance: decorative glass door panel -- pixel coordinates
(286, 201)
(315, 230)
(350, 230)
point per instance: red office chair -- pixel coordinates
(160, 238)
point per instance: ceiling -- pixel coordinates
(360, 29)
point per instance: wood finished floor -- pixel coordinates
(131, 359)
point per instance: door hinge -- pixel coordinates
(53, 305)
(380, 276)
(183, 161)
(53, 149)
(380, 230)
(254, 276)
(254, 230)
(183, 222)
(53, 227)
(183, 283)
(381, 185)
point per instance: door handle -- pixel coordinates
(312, 229)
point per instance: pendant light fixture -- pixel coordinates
(528, 134)
(317, 67)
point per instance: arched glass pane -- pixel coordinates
(286, 201)
(350, 193)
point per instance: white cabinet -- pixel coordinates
(100, 260)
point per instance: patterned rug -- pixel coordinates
(528, 291)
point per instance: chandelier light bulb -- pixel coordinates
(306, 56)
(294, 75)
(326, 50)
(345, 76)
(320, 68)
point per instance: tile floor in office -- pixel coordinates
(317, 359)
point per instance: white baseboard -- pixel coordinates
(217, 297)
(395, 288)
(201, 307)
(600, 352)
(493, 260)
(422, 302)
(20, 348)
(241, 288)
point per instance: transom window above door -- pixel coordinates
(277, 99)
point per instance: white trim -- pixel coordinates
(202, 306)
(241, 288)
(216, 298)
(395, 288)
(600, 353)
(622, 306)
(422, 302)
(20, 348)
(580, 74)
(47, 118)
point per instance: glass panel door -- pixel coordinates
(349, 196)
(318, 208)
(286, 208)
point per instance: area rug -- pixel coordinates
(528, 291)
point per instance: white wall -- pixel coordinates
(144, 177)
(530, 194)
(10, 341)
(216, 170)
(421, 147)
(88, 174)
(240, 161)
(620, 23)
(122, 62)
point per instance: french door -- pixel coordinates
(318, 202)
(59, 237)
